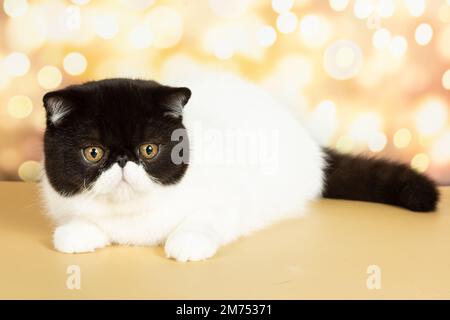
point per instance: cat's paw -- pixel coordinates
(184, 245)
(77, 237)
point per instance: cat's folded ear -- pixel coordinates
(173, 100)
(57, 107)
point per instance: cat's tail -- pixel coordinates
(377, 180)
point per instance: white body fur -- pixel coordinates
(217, 200)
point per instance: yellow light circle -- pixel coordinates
(80, 2)
(20, 107)
(223, 50)
(15, 8)
(386, 8)
(314, 31)
(362, 9)
(141, 37)
(106, 26)
(416, 8)
(166, 25)
(287, 22)
(432, 115)
(440, 151)
(446, 80)
(266, 36)
(424, 34)
(377, 142)
(345, 57)
(75, 63)
(49, 77)
(282, 6)
(345, 144)
(339, 5)
(398, 46)
(420, 162)
(17, 64)
(381, 38)
(30, 171)
(402, 138)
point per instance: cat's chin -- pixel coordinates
(123, 192)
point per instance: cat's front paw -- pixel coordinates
(184, 245)
(76, 237)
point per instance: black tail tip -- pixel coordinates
(419, 194)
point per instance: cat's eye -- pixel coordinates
(93, 154)
(148, 150)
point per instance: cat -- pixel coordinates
(135, 162)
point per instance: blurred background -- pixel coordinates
(369, 76)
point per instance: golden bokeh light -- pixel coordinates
(80, 2)
(106, 26)
(20, 107)
(345, 144)
(377, 142)
(402, 138)
(49, 77)
(166, 25)
(420, 162)
(16, 64)
(314, 31)
(75, 63)
(282, 6)
(398, 46)
(30, 171)
(424, 34)
(339, 5)
(141, 37)
(266, 36)
(287, 22)
(416, 7)
(15, 8)
(440, 151)
(381, 39)
(446, 80)
(432, 116)
(343, 60)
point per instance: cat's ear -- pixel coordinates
(56, 106)
(174, 100)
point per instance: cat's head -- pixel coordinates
(114, 137)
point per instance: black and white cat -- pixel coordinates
(138, 163)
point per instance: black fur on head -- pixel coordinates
(119, 115)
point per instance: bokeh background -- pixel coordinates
(368, 76)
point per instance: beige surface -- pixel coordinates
(324, 255)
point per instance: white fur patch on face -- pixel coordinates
(123, 184)
(137, 177)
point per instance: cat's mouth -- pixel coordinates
(124, 183)
(131, 180)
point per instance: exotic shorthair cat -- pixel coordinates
(135, 162)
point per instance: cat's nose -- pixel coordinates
(122, 161)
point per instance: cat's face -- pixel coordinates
(113, 137)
